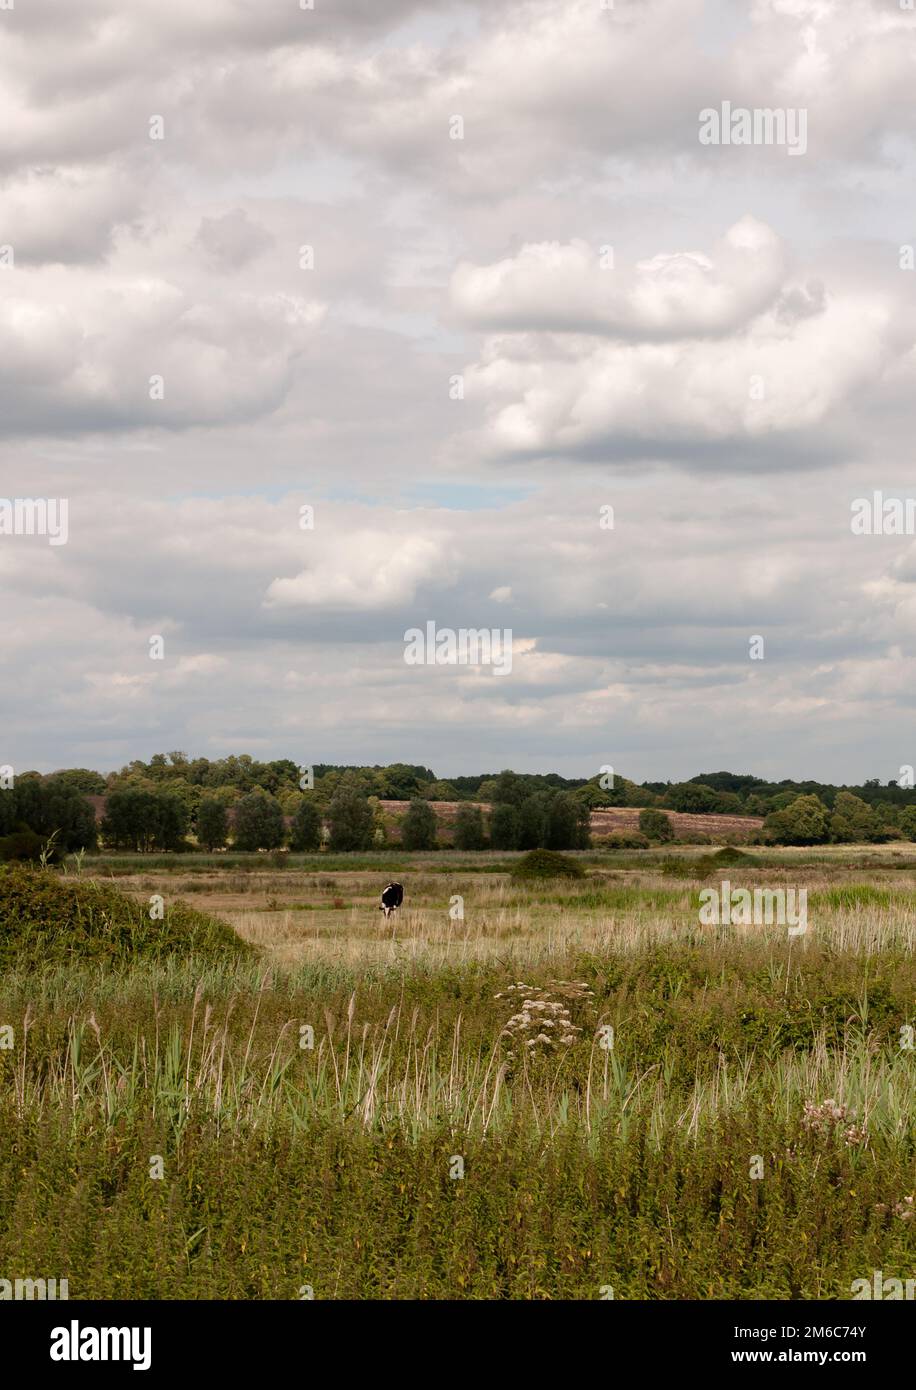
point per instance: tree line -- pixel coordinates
(349, 820)
(172, 803)
(229, 779)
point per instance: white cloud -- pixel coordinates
(671, 295)
(784, 357)
(364, 571)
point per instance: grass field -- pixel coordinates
(675, 1111)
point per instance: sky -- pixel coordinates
(465, 281)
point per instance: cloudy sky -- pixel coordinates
(458, 277)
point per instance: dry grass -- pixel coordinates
(293, 919)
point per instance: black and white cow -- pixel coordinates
(392, 897)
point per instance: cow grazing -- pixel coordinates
(392, 897)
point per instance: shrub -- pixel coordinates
(655, 825)
(23, 844)
(625, 839)
(727, 858)
(546, 863)
(48, 920)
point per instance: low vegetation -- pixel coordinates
(569, 1086)
(47, 920)
(545, 863)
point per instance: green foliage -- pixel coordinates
(693, 798)
(552, 820)
(305, 833)
(545, 863)
(469, 829)
(851, 897)
(212, 823)
(655, 825)
(508, 789)
(908, 822)
(854, 821)
(144, 820)
(625, 839)
(439, 791)
(350, 820)
(257, 822)
(23, 845)
(803, 822)
(191, 779)
(726, 858)
(504, 827)
(418, 828)
(81, 779)
(48, 806)
(567, 823)
(283, 1167)
(47, 920)
(622, 793)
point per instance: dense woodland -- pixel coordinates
(174, 802)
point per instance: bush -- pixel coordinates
(625, 839)
(23, 844)
(655, 825)
(48, 920)
(727, 858)
(546, 863)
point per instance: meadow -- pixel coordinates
(513, 1089)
